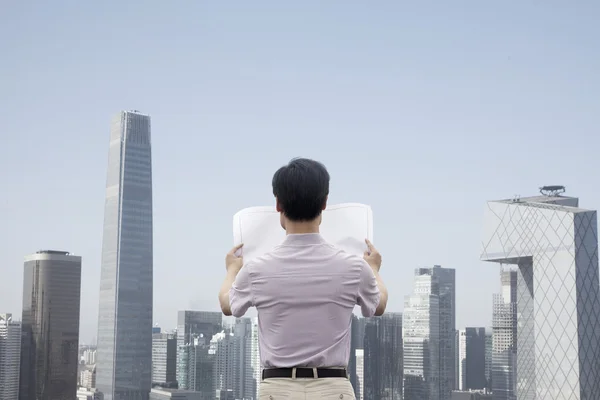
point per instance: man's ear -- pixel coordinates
(278, 206)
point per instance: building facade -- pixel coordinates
(164, 359)
(50, 326)
(554, 245)
(421, 340)
(382, 358)
(124, 358)
(504, 339)
(10, 357)
(195, 329)
(471, 357)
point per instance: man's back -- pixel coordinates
(305, 291)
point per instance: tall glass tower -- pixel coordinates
(124, 357)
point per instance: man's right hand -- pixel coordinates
(372, 256)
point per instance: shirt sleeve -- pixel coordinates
(368, 291)
(240, 294)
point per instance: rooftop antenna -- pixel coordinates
(552, 191)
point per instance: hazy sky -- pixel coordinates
(424, 110)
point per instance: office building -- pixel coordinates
(244, 374)
(199, 362)
(164, 359)
(195, 329)
(504, 338)
(256, 368)
(382, 358)
(489, 341)
(223, 347)
(10, 357)
(471, 356)
(360, 373)
(431, 331)
(87, 394)
(554, 244)
(124, 357)
(421, 340)
(174, 394)
(50, 326)
(357, 340)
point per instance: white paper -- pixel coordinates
(346, 226)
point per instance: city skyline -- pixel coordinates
(423, 106)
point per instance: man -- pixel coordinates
(304, 291)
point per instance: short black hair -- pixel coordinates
(301, 187)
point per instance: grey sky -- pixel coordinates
(424, 110)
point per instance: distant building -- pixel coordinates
(10, 357)
(382, 358)
(164, 359)
(87, 378)
(429, 335)
(471, 356)
(194, 328)
(504, 339)
(471, 395)
(50, 326)
(125, 299)
(88, 394)
(357, 339)
(489, 341)
(360, 372)
(174, 394)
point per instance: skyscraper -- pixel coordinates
(504, 339)
(421, 340)
(164, 359)
(194, 328)
(357, 340)
(50, 326)
(245, 383)
(554, 244)
(382, 358)
(124, 360)
(471, 356)
(10, 357)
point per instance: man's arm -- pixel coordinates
(373, 258)
(224, 292)
(383, 294)
(235, 296)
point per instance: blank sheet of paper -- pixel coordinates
(346, 226)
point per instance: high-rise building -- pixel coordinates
(554, 244)
(223, 346)
(357, 339)
(382, 358)
(245, 384)
(164, 359)
(10, 357)
(504, 339)
(440, 285)
(471, 356)
(421, 340)
(194, 328)
(50, 326)
(489, 341)
(199, 362)
(359, 356)
(256, 368)
(124, 358)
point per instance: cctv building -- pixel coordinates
(554, 244)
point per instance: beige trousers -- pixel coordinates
(306, 389)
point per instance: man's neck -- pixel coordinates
(295, 228)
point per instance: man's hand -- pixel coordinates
(234, 263)
(372, 256)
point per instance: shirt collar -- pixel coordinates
(303, 239)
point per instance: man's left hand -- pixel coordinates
(233, 262)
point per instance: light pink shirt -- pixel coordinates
(304, 292)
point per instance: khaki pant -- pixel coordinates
(306, 389)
